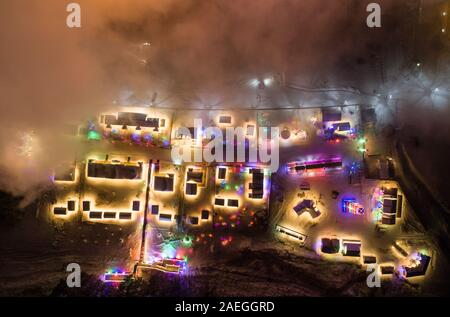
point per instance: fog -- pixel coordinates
(200, 53)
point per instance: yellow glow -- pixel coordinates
(339, 255)
(75, 179)
(119, 182)
(290, 232)
(125, 206)
(151, 113)
(63, 204)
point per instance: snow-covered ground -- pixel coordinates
(42, 246)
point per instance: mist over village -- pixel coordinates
(211, 151)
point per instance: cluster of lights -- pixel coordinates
(93, 135)
(203, 238)
(268, 81)
(235, 219)
(136, 137)
(332, 135)
(187, 241)
(377, 199)
(224, 241)
(170, 265)
(355, 167)
(239, 189)
(314, 167)
(116, 276)
(350, 206)
(417, 266)
(361, 145)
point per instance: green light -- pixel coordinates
(377, 214)
(361, 140)
(424, 252)
(227, 187)
(93, 135)
(361, 149)
(187, 241)
(168, 251)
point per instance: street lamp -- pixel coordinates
(268, 81)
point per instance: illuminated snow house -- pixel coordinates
(419, 266)
(351, 248)
(311, 167)
(330, 245)
(392, 206)
(113, 190)
(297, 236)
(307, 206)
(114, 169)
